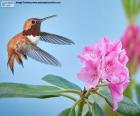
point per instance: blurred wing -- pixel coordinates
(55, 39)
(38, 54)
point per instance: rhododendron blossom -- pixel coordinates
(105, 62)
(131, 43)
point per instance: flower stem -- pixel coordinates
(80, 108)
(70, 97)
(72, 91)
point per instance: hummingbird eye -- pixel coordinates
(33, 22)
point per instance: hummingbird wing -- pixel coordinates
(38, 54)
(55, 39)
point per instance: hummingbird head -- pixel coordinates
(32, 25)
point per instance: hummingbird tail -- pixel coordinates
(19, 60)
(25, 57)
(10, 63)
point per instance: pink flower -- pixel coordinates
(118, 83)
(91, 72)
(105, 61)
(131, 43)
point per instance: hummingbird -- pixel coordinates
(24, 44)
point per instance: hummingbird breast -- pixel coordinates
(33, 39)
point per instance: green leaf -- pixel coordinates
(89, 113)
(109, 112)
(127, 8)
(68, 112)
(28, 91)
(132, 9)
(129, 90)
(138, 92)
(97, 110)
(126, 107)
(60, 82)
(64, 112)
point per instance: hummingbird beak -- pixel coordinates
(46, 18)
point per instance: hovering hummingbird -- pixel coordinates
(24, 44)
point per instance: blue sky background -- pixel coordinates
(82, 21)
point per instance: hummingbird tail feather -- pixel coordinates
(10, 63)
(25, 57)
(19, 60)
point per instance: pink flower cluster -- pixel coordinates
(105, 61)
(131, 42)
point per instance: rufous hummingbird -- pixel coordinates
(24, 44)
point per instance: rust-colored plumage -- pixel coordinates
(25, 44)
(12, 49)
